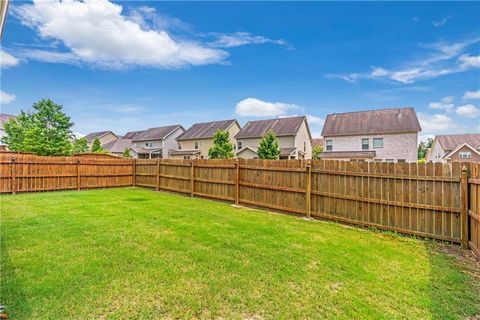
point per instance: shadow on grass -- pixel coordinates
(12, 294)
(454, 283)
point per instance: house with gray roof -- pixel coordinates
(117, 147)
(389, 135)
(195, 142)
(293, 133)
(104, 137)
(154, 142)
(455, 148)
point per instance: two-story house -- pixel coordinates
(389, 135)
(104, 137)
(195, 142)
(154, 142)
(293, 133)
(454, 148)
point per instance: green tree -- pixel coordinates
(268, 148)
(222, 148)
(316, 152)
(423, 147)
(80, 146)
(96, 146)
(46, 131)
(126, 153)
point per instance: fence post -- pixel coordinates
(157, 186)
(134, 168)
(308, 189)
(464, 206)
(78, 175)
(192, 178)
(237, 182)
(13, 186)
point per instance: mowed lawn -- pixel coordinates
(139, 254)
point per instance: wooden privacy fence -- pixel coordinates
(421, 199)
(474, 210)
(28, 173)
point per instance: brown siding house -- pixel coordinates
(455, 147)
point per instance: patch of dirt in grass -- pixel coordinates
(464, 259)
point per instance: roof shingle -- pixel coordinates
(91, 136)
(395, 120)
(451, 141)
(155, 133)
(281, 127)
(205, 130)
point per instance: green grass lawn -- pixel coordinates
(138, 254)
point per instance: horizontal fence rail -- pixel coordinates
(437, 201)
(30, 173)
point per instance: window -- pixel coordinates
(329, 145)
(179, 146)
(378, 160)
(304, 146)
(378, 142)
(201, 157)
(401, 160)
(196, 145)
(389, 160)
(365, 145)
(465, 154)
(239, 145)
(186, 157)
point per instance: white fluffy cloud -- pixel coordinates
(7, 60)
(441, 59)
(435, 122)
(468, 111)
(444, 104)
(472, 95)
(6, 97)
(242, 38)
(252, 107)
(97, 33)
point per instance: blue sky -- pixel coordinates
(132, 65)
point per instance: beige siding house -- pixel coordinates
(293, 133)
(195, 142)
(104, 137)
(455, 147)
(4, 118)
(388, 135)
(155, 142)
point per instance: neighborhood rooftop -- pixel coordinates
(155, 133)
(395, 120)
(451, 141)
(118, 145)
(91, 136)
(205, 130)
(281, 127)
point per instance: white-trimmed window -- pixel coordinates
(465, 154)
(329, 145)
(378, 142)
(179, 146)
(197, 144)
(239, 145)
(401, 160)
(365, 144)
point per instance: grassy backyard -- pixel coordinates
(134, 253)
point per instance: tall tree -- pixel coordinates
(46, 131)
(316, 152)
(126, 153)
(222, 148)
(80, 146)
(423, 147)
(96, 146)
(268, 148)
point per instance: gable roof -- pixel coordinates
(460, 146)
(132, 134)
(91, 136)
(157, 133)
(206, 130)
(4, 118)
(117, 146)
(281, 126)
(394, 120)
(451, 141)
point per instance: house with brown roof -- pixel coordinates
(389, 135)
(455, 148)
(195, 142)
(117, 147)
(154, 142)
(104, 137)
(293, 133)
